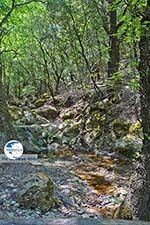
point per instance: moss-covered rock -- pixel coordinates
(40, 102)
(97, 106)
(49, 112)
(136, 128)
(15, 112)
(31, 137)
(54, 134)
(71, 131)
(96, 121)
(68, 115)
(128, 146)
(120, 128)
(36, 192)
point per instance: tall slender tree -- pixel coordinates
(114, 42)
(7, 131)
(137, 202)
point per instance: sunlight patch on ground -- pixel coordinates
(98, 183)
(106, 212)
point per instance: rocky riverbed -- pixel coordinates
(85, 185)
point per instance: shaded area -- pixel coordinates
(78, 221)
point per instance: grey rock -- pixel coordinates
(53, 148)
(31, 137)
(36, 192)
(49, 112)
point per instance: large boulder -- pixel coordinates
(47, 111)
(36, 192)
(129, 146)
(54, 134)
(31, 137)
(70, 133)
(29, 117)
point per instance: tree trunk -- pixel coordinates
(114, 48)
(137, 201)
(6, 129)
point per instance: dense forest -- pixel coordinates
(75, 90)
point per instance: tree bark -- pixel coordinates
(137, 201)
(114, 48)
(7, 131)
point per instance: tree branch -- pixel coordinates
(5, 18)
(13, 7)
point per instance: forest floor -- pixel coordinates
(88, 186)
(90, 178)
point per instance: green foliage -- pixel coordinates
(116, 81)
(56, 44)
(51, 43)
(28, 90)
(134, 84)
